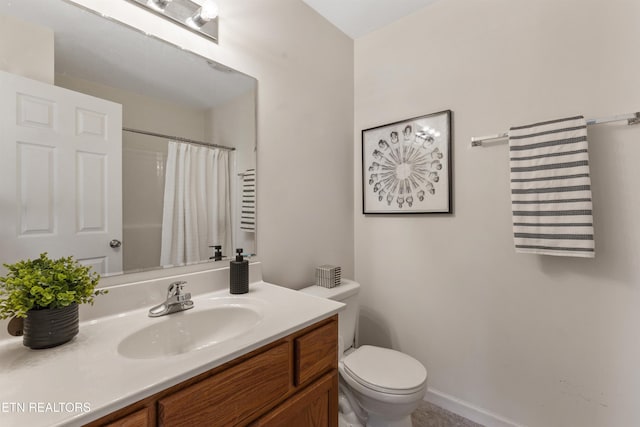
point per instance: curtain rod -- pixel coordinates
(178, 138)
(631, 119)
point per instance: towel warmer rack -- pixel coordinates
(631, 119)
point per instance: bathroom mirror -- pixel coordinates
(55, 53)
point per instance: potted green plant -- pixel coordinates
(46, 293)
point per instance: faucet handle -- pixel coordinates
(175, 288)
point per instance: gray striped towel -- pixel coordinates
(551, 188)
(248, 208)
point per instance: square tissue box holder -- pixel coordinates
(328, 276)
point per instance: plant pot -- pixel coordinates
(50, 327)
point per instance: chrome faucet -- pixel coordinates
(177, 300)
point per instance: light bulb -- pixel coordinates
(209, 10)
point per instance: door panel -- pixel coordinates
(35, 112)
(35, 177)
(91, 199)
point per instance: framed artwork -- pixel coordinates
(406, 166)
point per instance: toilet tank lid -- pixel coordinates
(345, 289)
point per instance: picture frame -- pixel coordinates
(407, 166)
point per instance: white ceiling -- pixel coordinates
(359, 17)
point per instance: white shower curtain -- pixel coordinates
(197, 208)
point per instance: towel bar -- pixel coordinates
(631, 118)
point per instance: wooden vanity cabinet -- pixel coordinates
(290, 382)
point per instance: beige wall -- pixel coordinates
(304, 67)
(230, 124)
(32, 57)
(543, 341)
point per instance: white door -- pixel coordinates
(60, 174)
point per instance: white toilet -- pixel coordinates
(379, 387)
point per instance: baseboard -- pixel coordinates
(467, 410)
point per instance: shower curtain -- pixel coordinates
(197, 208)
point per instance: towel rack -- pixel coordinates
(631, 119)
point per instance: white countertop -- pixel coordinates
(87, 378)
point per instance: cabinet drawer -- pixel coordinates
(316, 352)
(137, 419)
(232, 395)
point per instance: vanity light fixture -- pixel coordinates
(198, 16)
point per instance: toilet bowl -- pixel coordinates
(379, 387)
(388, 385)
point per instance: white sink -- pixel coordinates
(221, 319)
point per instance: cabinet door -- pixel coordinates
(315, 406)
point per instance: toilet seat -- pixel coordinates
(385, 370)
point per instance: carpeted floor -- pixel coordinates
(430, 415)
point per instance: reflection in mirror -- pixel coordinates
(124, 151)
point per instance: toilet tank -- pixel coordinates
(347, 293)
